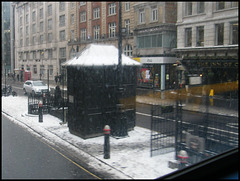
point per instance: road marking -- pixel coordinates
(143, 114)
(70, 160)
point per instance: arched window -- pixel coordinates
(128, 50)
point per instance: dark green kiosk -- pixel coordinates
(95, 96)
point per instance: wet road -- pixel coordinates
(26, 157)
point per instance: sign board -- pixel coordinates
(195, 80)
(157, 60)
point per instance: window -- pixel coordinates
(61, 6)
(96, 32)
(154, 14)
(35, 69)
(49, 37)
(72, 5)
(127, 26)
(112, 29)
(62, 52)
(34, 55)
(111, 9)
(34, 28)
(234, 4)
(34, 16)
(27, 55)
(49, 10)
(83, 16)
(82, 3)
(27, 30)
(234, 33)
(150, 41)
(220, 5)
(219, 34)
(200, 7)
(27, 18)
(128, 50)
(188, 37)
(42, 70)
(21, 21)
(41, 39)
(127, 6)
(62, 35)
(50, 24)
(188, 8)
(83, 34)
(141, 19)
(62, 21)
(200, 36)
(21, 43)
(50, 68)
(50, 53)
(21, 32)
(20, 56)
(169, 39)
(34, 40)
(41, 13)
(72, 19)
(27, 41)
(96, 13)
(41, 26)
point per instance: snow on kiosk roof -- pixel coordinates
(99, 55)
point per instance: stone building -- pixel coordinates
(154, 38)
(41, 36)
(207, 40)
(6, 38)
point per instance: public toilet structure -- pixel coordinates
(98, 94)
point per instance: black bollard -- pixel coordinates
(40, 106)
(106, 142)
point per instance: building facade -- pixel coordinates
(97, 22)
(6, 38)
(49, 33)
(207, 41)
(154, 38)
(41, 36)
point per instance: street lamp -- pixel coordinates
(120, 127)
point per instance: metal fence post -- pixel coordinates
(40, 106)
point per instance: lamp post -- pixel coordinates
(120, 127)
(179, 69)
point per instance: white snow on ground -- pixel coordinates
(129, 156)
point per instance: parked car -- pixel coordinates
(35, 87)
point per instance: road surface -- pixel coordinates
(26, 157)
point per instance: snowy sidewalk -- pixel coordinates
(129, 157)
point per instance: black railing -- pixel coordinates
(163, 129)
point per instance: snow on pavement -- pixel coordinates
(129, 156)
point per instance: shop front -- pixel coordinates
(214, 72)
(156, 72)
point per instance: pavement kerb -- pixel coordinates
(62, 147)
(150, 100)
